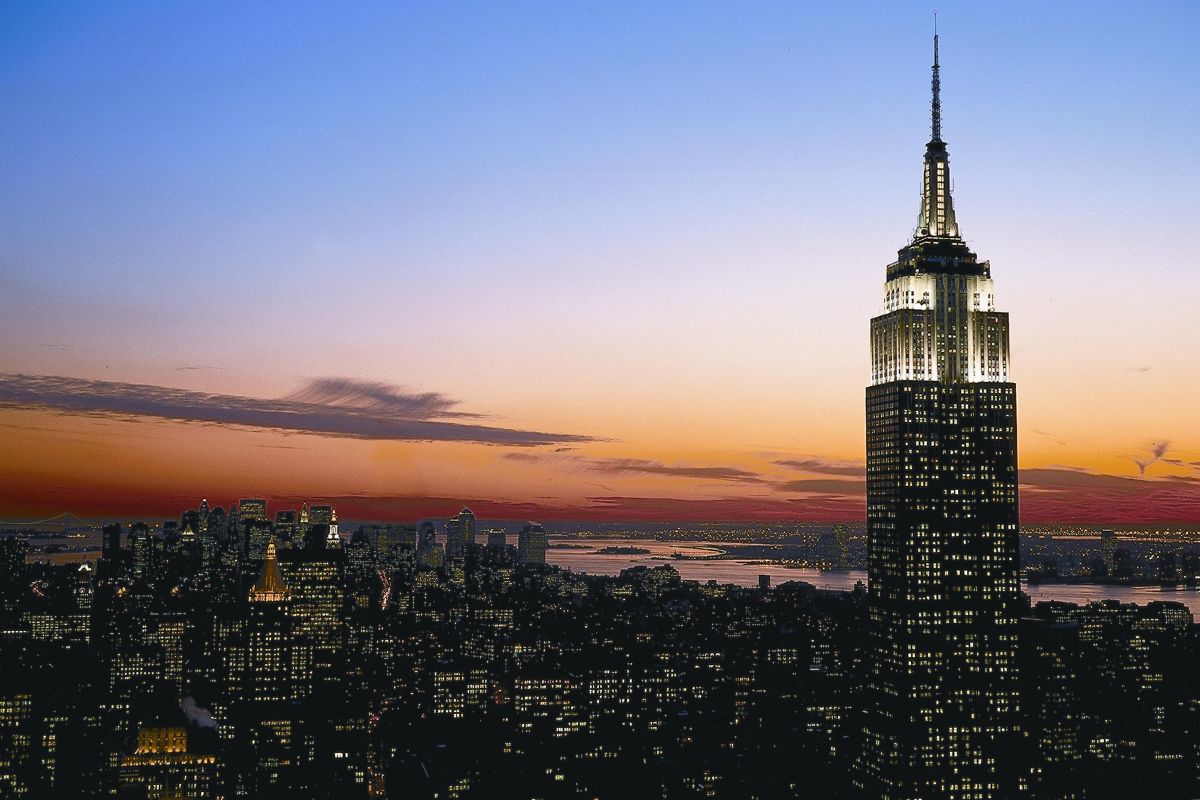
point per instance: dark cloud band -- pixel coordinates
(645, 467)
(823, 467)
(825, 486)
(328, 407)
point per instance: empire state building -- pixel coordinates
(941, 694)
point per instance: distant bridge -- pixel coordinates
(66, 523)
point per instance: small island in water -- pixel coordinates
(623, 550)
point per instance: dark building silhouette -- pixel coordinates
(460, 533)
(252, 508)
(286, 529)
(111, 544)
(429, 553)
(531, 544)
(941, 692)
(256, 533)
(1050, 707)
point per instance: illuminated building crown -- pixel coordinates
(940, 321)
(270, 586)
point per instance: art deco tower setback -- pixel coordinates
(941, 717)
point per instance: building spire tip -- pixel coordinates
(936, 107)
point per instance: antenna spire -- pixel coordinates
(937, 208)
(937, 87)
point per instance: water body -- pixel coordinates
(581, 556)
(745, 572)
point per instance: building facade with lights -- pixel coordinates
(941, 719)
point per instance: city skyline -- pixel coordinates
(457, 404)
(411, 260)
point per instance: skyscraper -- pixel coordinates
(163, 767)
(429, 552)
(110, 565)
(315, 581)
(531, 544)
(454, 538)
(252, 508)
(497, 538)
(460, 533)
(269, 634)
(286, 527)
(941, 720)
(322, 515)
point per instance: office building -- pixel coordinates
(531, 544)
(942, 695)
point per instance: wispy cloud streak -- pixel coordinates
(823, 467)
(824, 486)
(335, 407)
(639, 466)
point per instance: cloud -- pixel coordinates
(641, 466)
(523, 457)
(729, 509)
(1070, 495)
(624, 466)
(1061, 478)
(326, 407)
(824, 486)
(1156, 453)
(1047, 495)
(379, 398)
(1056, 439)
(823, 467)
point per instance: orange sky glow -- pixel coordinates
(618, 265)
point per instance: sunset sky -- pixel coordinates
(576, 260)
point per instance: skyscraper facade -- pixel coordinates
(252, 508)
(460, 533)
(531, 544)
(941, 718)
(269, 634)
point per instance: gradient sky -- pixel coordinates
(567, 260)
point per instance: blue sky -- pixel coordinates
(535, 207)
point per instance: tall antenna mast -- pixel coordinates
(937, 87)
